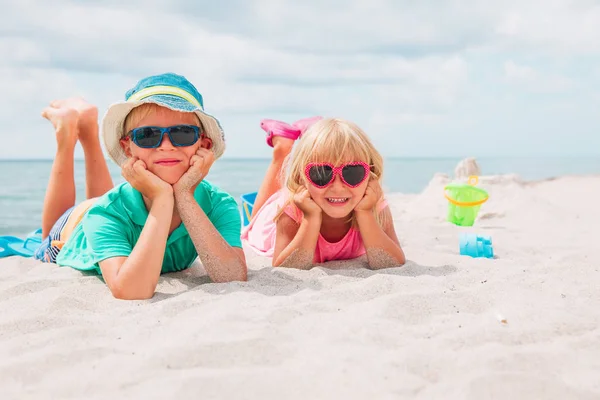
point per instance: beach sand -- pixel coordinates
(525, 325)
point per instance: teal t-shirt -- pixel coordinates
(112, 226)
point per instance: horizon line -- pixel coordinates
(412, 157)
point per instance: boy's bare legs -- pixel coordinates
(73, 119)
(60, 192)
(97, 177)
(271, 183)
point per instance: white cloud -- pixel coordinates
(425, 67)
(532, 80)
(554, 27)
(518, 73)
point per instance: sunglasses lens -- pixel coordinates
(183, 135)
(320, 175)
(354, 174)
(146, 137)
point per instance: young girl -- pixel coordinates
(331, 206)
(165, 215)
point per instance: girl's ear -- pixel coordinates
(126, 146)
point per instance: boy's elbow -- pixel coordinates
(233, 271)
(123, 293)
(241, 276)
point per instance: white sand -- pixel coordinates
(429, 330)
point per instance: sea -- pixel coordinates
(23, 182)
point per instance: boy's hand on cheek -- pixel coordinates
(200, 164)
(151, 186)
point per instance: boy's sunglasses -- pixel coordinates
(322, 175)
(150, 137)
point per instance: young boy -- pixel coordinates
(165, 215)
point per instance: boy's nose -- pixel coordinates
(166, 143)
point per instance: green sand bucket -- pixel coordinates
(464, 202)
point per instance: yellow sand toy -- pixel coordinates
(464, 201)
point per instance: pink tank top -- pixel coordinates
(260, 234)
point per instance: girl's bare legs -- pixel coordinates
(60, 193)
(272, 181)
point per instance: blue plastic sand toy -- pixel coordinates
(476, 246)
(247, 204)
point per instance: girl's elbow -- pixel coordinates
(277, 260)
(398, 262)
(392, 263)
(401, 261)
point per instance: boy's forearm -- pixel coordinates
(139, 274)
(382, 251)
(220, 260)
(300, 252)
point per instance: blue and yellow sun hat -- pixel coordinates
(167, 90)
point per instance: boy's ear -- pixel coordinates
(206, 143)
(126, 146)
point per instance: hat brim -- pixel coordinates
(113, 121)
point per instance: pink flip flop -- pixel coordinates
(278, 128)
(305, 123)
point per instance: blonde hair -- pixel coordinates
(332, 140)
(142, 111)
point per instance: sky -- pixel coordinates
(422, 78)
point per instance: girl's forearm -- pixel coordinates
(382, 251)
(300, 252)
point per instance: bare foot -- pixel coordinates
(282, 146)
(88, 115)
(64, 121)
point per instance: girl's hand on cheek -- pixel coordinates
(372, 195)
